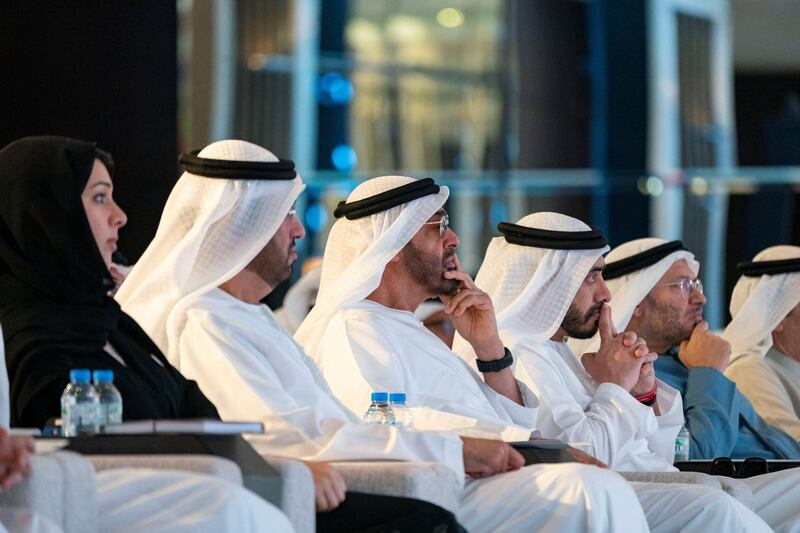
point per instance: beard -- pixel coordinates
(427, 269)
(581, 325)
(272, 264)
(665, 325)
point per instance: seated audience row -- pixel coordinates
(60, 227)
(193, 340)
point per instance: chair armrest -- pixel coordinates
(209, 465)
(738, 489)
(60, 487)
(297, 493)
(424, 481)
(693, 478)
(734, 487)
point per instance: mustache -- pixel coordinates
(593, 309)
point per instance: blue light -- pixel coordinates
(498, 213)
(333, 89)
(316, 217)
(344, 157)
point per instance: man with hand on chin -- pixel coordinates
(656, 293)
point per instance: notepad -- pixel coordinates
(198, 426)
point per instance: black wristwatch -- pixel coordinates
(496, 365)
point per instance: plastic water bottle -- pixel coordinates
(682, 443)
(79, 405)
(110, 409)
(379, 411)
(402, 414)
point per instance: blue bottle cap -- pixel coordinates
(103, 376)
(80, 376)
(380, 396)
(397, 397)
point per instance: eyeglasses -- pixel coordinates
(686, 285)
(443, 223)
(292, 212)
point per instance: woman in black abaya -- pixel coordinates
(58, 228)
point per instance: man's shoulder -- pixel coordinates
(221, 308)
(211, 299)
(530, 346)
(375, 314)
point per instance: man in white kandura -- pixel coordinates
(656, 293)
(221, 247)
(765, 336)
(390, 250)
(544, 275)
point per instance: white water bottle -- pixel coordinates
(110, 408)
(379, 411)
(402, 414)
(682, 443)
(79, 405)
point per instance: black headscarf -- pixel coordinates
(54, 308)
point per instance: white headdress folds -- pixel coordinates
(224, 209)
(767, 290)
(533, 272)
(632, 270)
(378, 219)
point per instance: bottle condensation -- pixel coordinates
(379, 411)
(79, 405)
(682, 443)
(402, 414)
(110, 408)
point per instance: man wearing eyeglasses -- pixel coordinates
(655, 291)
(657, 294)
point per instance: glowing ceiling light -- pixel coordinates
(450, 17)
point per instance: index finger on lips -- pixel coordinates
(605, 326)
(463, 277)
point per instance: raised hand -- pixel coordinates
(620, 356)
(705, 348)
(472, 313)
(483, 458)
(647, 380)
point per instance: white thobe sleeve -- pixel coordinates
(238, 379)
(361, 361)
(670, 422)
(610, 420)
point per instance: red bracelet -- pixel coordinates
(649, 398)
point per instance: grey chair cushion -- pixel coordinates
(297, 493)
(61, 487)
(424, 481)
(734, 487)
(201, 464)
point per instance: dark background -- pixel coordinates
(107, 71)
(100, 71)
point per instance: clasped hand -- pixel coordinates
(621, 358)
